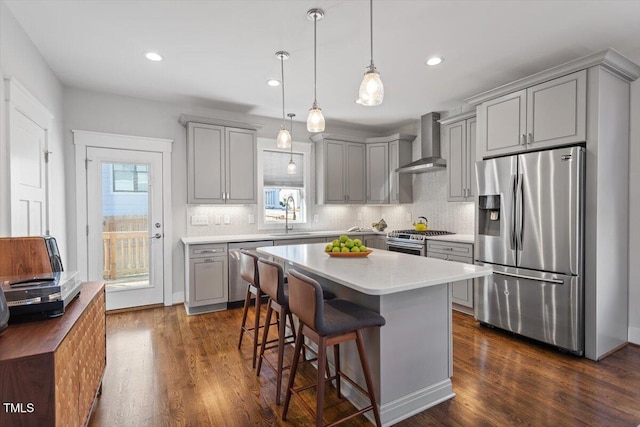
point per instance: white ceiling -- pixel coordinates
(221, 53)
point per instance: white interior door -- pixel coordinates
(28, 144)
(125, 225)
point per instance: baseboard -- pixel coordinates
(634, 335)
(405, 407)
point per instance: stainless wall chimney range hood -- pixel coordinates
(430, 140)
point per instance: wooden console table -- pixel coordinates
(51, 370)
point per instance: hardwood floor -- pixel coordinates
(167, 368)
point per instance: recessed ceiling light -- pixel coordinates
(273, 82)
(435, 60)
(153, 56)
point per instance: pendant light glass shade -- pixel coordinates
(291, 169)
(284, 138)
(371, 89)
(315, 119)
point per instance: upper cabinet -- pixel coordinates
(459, 136)
(221, 164)
(384, 156)
(378, 173)
(352, 170)
(545, 115)
(340, 169)
(400, 154)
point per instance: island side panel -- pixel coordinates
(415, 352)
(410, 357)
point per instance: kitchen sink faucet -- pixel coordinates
(286, 213)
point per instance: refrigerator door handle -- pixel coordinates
(512, 236)
(520, 276)
(519, 213)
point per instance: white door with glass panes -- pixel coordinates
(125, 225)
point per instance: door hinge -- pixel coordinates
(87, 229)
(46, 156)
(86, 163)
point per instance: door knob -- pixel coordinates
(157, 236)
(157, 225)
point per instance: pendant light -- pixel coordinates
(291, 168)
(284, 137)
(371, 89)
(315, 120)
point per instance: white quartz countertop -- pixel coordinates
(229, 238)
(232, 238)
(460, 238)
(381, 273)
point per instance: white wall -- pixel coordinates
(20, 59)
(92, 111)
(634, 216)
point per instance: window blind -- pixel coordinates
(275, 169)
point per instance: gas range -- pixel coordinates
(416, 236)
(411, 241)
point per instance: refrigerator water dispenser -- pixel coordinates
(489, 215)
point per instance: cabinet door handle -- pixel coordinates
(529, 138)
(523, 140)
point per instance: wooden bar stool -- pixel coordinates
(272, 283)
(328, 323)
(249, 272)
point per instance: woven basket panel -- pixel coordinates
(79, 363)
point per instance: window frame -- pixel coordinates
(304, 148)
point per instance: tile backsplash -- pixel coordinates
(430, 201)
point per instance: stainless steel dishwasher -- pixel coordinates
(237, 286)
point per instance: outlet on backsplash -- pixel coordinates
(199, 220)
(227, 220)
(252, 219)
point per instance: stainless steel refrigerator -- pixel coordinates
(529, 228)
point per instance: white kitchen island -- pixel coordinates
(411, 356)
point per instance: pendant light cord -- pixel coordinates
(282, 75)
(291, 132)
(371, 27)
(315, 48)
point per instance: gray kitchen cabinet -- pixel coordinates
(340, 169)
(459, 136)
(374, 241)
(400, 184)
(378, 173)
(462, 290)
(545, 115)
(206, 278)
(221, 164)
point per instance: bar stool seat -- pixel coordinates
(329, 323)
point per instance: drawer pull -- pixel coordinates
(208, 251)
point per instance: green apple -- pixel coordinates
(357, 242)
(336, 242)
(363, 249)
(345, 249)
(355, 249)
(335, 249)
(328, 248)
(343, 238)
(349, 243)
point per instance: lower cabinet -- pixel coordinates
(375, 241)
(206, 278)
(462, 290)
